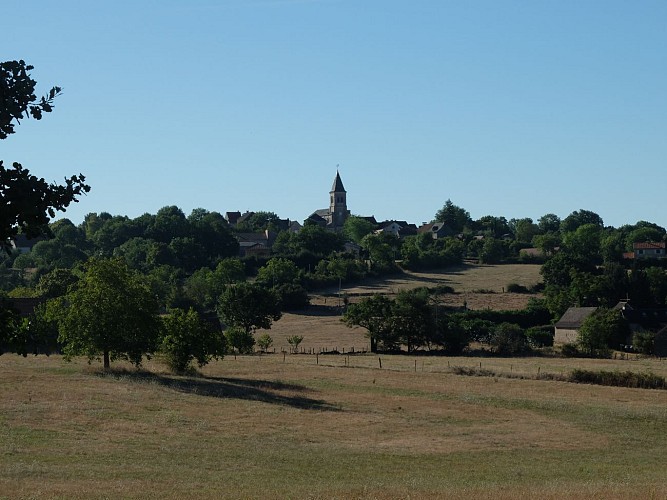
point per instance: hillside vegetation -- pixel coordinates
(480, 286)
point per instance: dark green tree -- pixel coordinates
(28, 201)
(355, 228)
(56, 283)
(454, 217)
(186, 338)
(249, 306)
(579, 218)
(412, 318)
(259, 221)
(549, 223)
(374, 314)
(602, 331)
(509, 339)
(111, 312)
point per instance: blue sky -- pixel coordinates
(508, 108)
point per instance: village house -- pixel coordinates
(646, 250)
(436, 230)
(397, 228)
(566, 330)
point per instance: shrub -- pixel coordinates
(540, 336)
(516, 288)
(441, 289)
(509, 339)
(644, 342)
(619, 379)
(570, 350)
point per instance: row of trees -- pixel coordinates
(416, 321)
(109, 311)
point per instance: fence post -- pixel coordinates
(380, 361)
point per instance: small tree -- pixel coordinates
(186, 338)
(240, 339)
(294, 341)
(601, 331)
(265, 342)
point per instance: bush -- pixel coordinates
(509, 339)
(540, 336)
(644, 342)
(570, 350)
(516, 288)
(619, 379)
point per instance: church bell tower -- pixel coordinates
(338, 203)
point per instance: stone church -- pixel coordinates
(335, 216)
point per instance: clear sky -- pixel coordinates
(508, 108)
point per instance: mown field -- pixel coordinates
(288, 427)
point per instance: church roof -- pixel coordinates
(337, 185)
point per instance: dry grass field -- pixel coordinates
(320, 324)
(335, 426)
(287, 427)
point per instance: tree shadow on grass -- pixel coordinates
(230, 388)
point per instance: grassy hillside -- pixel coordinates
(479, 286)
(261, 427)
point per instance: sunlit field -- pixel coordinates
(306, 426)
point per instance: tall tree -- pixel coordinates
(549, 223)
(579, 218)
(249, 306)
(454, 217)
(110, 311)
(374, 313)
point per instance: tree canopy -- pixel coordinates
(28, 201)
(454, 217)
(110, 311)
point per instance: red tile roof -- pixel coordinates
(648, 245)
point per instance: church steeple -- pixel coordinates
(338, 202)
(337, 184)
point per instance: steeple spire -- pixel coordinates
(337, 184)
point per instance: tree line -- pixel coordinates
(186, 266)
